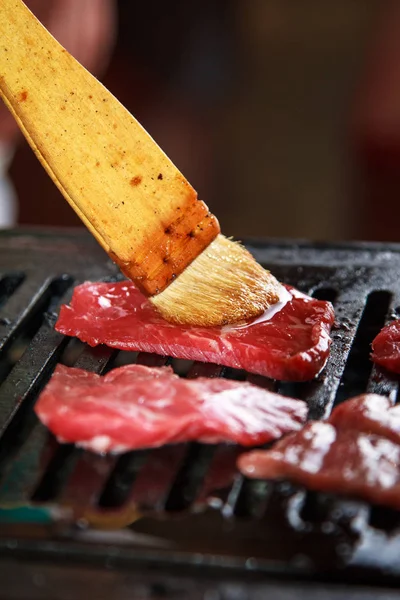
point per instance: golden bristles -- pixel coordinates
(223, 285)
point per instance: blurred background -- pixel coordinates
(284, 115)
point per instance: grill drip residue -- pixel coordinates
(184, 504)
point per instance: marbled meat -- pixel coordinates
(140, 407)
(369, 413)
(386, 347)
(323, 458)
(290, 344)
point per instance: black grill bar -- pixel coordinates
(189, 478)
(153, 484)
(96, 359)
(205, 370)
(29, 301)
(58, 470)
(119, 485)
(219, 478)
(83, 488)
(21, 469)
(29, 374)
(358, 368)
(34, 367)
(251, 499)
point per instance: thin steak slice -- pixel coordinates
(386, 347)
(291, 345)
(140, 407)
(369, 413)
(325, 459)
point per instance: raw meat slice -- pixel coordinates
(369, 413)
(139, 407)
(386, 347)
(291, 345)
(325, 459)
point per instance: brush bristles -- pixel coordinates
(223, 285)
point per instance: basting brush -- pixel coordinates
(132, 198)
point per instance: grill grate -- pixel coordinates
(184, 504)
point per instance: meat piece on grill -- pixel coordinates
(369, 413)
(139, 407)
(386, 347)
(290, 344)
(326, 459)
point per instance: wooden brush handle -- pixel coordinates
(124, 188)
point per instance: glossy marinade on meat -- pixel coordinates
(369, 413)
(293, 344)
(323, 458)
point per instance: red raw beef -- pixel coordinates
(386, 347)
(292, 345)
(139, 407)
(369, 413)
(325, 459)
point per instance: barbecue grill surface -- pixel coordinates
(184, 508)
